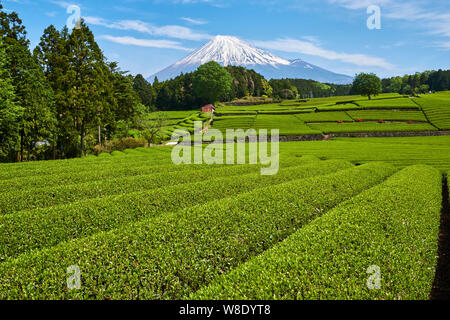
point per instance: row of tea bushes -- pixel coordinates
(172, 256)
(18, 200)
(35, 229)
(392, 229)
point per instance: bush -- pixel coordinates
(126, 143)
(394, 226)
(171, 256)
(120, 145)
(46, 227)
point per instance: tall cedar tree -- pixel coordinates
(52, 55)
(10, 112)
(31, 88)
(126, 97)
(87, 82)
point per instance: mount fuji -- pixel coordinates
(227, 50)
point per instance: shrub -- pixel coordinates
(172, 256)
(47, 227)
(120, 144)
(394, 226)
(125, 143)
(99, 149)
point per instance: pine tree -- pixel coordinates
(52, 54)
(87, 83)
(38, 122)
(126, 97)
(32, 91)
(10, 112)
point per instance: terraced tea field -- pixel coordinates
(336, 115)
(139, 227)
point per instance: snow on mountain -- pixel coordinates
(227, 50)
(231, 51)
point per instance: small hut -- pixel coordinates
(209, 108)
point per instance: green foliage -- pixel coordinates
(39, 120)
(287, 124)
(324, 117)
(10, 112)
(31, 89)
(127, 99)
(211, 83)
(144, 90)
(419, 82)
(387, 115)
(247, 82)
(283, 89)
(437, 109)
(122, 144)
(188, 248)
(400, 152)
(367, 84)
(176, 93)
(371, 127)
(203, 221)
(88, 83)
(392, 226)
(84, 218)
(91, 96)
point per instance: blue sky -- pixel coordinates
(145, 36)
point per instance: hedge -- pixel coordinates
(40, 228)
(173, 255)
(18, 200)
(107, 171)
(56, 167)
(394, 226)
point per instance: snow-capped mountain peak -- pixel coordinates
(228, 50)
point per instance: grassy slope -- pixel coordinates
(388, 107)
(437, 109)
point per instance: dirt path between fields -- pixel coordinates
(208, 126)
(441, 285)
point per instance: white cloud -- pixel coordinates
(171, 31)
(163, 44)
(194, 21)
(443, 45)
(309, 48)
(359, 4)
(63, 4)
(436, 21)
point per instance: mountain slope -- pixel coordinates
(228, 50)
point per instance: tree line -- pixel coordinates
(64, 98)
(184, 92)
(60, 97)
(420, 82)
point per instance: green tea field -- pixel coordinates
(136, 226)
(337, 115)
(212, 159)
